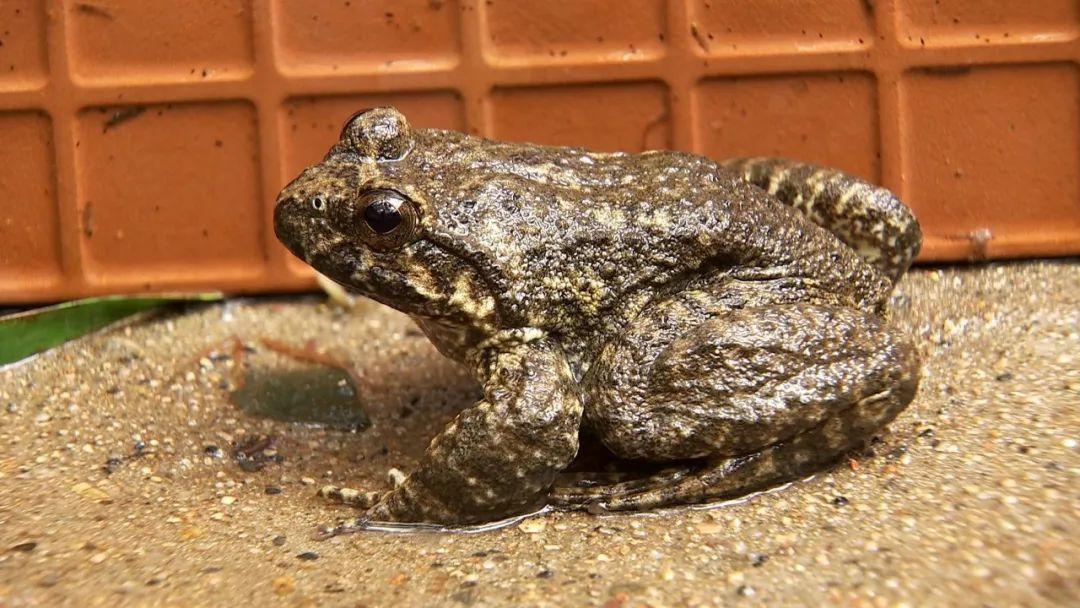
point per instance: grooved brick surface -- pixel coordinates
(177, 183)
(798, 110)
(142, 142)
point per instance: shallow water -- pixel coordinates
(318, 395)
(116, 488)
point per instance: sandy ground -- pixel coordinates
(118, 484)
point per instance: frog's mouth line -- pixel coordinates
(339, 259)
(358, 270)
(388, 276)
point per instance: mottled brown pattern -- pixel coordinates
(677, 308)
(868, 218)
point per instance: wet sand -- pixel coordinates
(119, 485)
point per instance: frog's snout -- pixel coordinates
(285, 213)
(281, 212)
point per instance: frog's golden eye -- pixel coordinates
(387, 218)
(318, 202)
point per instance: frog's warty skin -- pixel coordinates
(674, 307)
(868, 218)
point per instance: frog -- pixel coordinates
(727, 320)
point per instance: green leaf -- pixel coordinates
(25, 333)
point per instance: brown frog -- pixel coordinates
(727, 316)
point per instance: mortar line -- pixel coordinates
(888, 76)
(64, 101)
(268, 96)
(679, 59)
(476, 96)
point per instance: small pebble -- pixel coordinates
(190, 533)
(49, 580)
(89, 492)
(283, 585)
(278, 541)
(535, 525)
(710, 527)
(127, 587)
(307, 556)
(272, 490)
(840, 501)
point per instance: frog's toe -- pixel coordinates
(720, 479)
(351, 526)
(588, 497)
(348, 496)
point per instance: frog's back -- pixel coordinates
(585, 239)
(680, 205)
(602, 175)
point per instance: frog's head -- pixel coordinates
(356, 219)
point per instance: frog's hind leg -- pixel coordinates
(762, 395)
(869, 219)
(729, 478)
(568, 496)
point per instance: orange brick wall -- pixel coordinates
(142, 141)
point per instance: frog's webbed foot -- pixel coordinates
(579, 496)
(499, 457)
(350, 526)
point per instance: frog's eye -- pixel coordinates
(318, 202)
(387, 217)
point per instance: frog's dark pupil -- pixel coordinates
(382, 216)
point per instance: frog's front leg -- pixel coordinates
(500, 456)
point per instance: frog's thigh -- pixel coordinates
(682, 386)
(870, 219)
